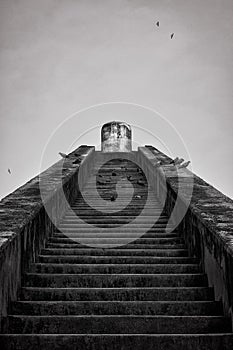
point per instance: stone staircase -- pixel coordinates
(127, 287)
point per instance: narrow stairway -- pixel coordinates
(127, 287)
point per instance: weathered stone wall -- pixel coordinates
(208, 224)
(24, 223)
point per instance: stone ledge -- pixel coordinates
(18, 208)
(213, 208)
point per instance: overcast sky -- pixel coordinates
(59, 56)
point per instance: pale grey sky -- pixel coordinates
(59, 56)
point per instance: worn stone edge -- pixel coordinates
(8, 235)
(207, 219)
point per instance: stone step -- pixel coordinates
(114, 268)
(115, 227)
(111, 219)
(178, 308)
(144, 240)
(115, 216)
(90, 259)
(153, 235)
(134, 183)
(130, 207)
(84, 242)
(120, 294)
(120, 324)
(136, 231)
(115, 280)
(124, 199)
(134, 223)
(129, 194)
(117, 341)
(116, 252)
(87, 213)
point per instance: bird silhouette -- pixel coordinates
(77, 161)
(141, 183)
(172, 35)
(139, 170)
(174, 160)
(185, 164)
(138, 197)
(158, 164)
(113, 173)
(63, 155)
(99, 183)
(179, 161)
(9, 171)
(113, 197)
(157, 23)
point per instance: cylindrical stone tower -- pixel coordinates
(116, 137)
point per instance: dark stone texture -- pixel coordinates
(116, 342)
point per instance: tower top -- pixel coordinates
(116, 136)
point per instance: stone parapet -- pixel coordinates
(208, 224)
(25, 224)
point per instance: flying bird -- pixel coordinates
(63, 155)
(157, 23)
(113, 173)
(172, 35)
(9, 171)
(184, 165)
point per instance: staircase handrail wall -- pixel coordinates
(207, 226)
(25, 225)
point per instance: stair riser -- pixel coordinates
(117, 324)
(157, 237)
(178, 240)
(116, 342)
(113, 260)
(116, 219)
(113, 230)
(122, 294)
(123, 251)
(70, 214)
(141, 269)
(132, 225)
(117, 308)
(105, 242)
(99, 281)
